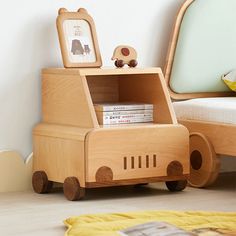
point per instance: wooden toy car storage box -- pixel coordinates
(71, 147)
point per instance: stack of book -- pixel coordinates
(123, 113)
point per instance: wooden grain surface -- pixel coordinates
(66, 100)
(221, 136)
(61, 131)
(70, 142)
(110, 147)
(59, 158)
(102, 71)
(149, 89)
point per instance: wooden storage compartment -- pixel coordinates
(138, 87)
(71, 147)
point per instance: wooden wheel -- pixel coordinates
(204, 162)
(40, 182)
(133, 63)
(72, 189)
(175, 186)
(119, 63)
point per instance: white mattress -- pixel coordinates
(221, 110)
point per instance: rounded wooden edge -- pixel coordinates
(62, 10)
(204, 162)
(40, 182)
(72, 189)
(175, 186)
(174, 39)
(82, 10)
(170, 60)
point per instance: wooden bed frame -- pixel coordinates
(206, 141)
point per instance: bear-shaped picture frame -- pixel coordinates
(78, 39)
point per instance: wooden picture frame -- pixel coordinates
(78, 39)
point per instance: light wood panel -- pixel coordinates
(103, 71)
(171, 56)
(59, 151)
(60, 131)
(108, 147)
(103, 88)
(59, 158)
(222, 136)
(66, 100)
(149, 89)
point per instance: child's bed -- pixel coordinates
(202, 49)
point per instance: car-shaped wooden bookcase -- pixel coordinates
(71, 147)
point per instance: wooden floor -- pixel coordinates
(28, 213)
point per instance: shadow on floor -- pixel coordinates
(225, 181)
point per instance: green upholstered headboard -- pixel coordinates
(203, 48)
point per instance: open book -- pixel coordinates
(154, 229)
(165, 229)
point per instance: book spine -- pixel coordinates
(108, 120)
(117, 113)
(124, 107)
(125, 121)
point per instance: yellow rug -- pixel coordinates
(109, 224)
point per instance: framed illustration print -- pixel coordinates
(78, 39)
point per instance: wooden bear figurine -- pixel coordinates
(125, 55)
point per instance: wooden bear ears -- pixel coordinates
(64, 10)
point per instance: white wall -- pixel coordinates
(28, 42)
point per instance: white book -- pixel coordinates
(115, 113)
(154, 229)
(128, 121)
(125, 119)
(124, 116)
(122, 106)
